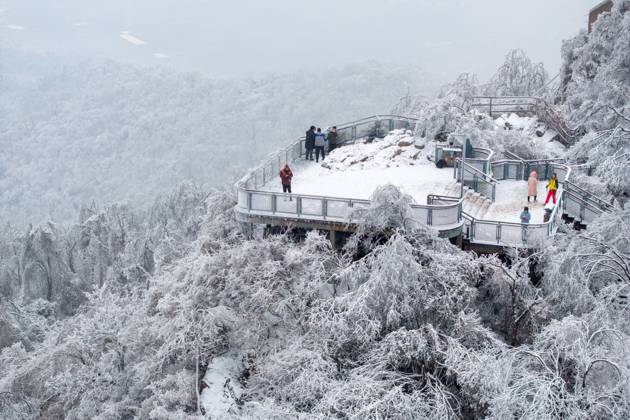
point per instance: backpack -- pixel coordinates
(320, 139)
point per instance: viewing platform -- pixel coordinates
(379, 150)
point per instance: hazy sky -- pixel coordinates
(247, 37)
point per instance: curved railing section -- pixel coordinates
(341, 210)
(441, 212)
(252, 201)
(494, 232)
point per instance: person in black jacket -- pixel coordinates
(332, 139)
(309, 144)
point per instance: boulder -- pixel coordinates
(406, 141)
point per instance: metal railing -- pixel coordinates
(544, 167)
(336, 209)
(499, 233)
(376, 125)
(580, 208)
(252, 201)
(495, 232)
(441, 212)
(474, 178)
(372, 127)
(582, 204)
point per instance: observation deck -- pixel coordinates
(330, 195)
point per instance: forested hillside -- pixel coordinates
(169, 311)
(105, 132)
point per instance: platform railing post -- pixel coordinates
(298, 205)
(430, 217)
(324, 208)
(249, 201)
(274, 203)
(499, 233)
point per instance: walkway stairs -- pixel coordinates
(474, 203)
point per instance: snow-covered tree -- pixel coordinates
(518, 76)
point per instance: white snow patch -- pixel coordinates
(354, 171)
(223, 386)
(131, 39)
(80, 24)
(529, 125)
(16, 27)
(518, 123)
(511, 197)
(160, 55)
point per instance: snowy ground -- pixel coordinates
(529, 125)
(511, 197)
(223, 387)
(354, 171)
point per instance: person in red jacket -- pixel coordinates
(285, 177)
(552, 187)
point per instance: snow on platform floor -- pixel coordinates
(354, 171)
(511, 197)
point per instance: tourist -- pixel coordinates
(525, 216)
(309, 143)
(532, 186)
(552, 187)
(320, 143)
(285, 177)
(332, 139)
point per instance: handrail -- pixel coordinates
(491, 179)
(250, 199)
(549, 225)
(256, 202)
(345, 199)
(273, 155)
(585, 203)
(432, 197)
(588, 195)
(513, 156)
(376, 117)
(488, 152)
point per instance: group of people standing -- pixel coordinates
(532, 191)
(316, 140)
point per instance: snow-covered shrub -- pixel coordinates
(609, 153)
(599, 69)
(518, 76)
(439, 118)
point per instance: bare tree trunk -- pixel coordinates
(197, 382)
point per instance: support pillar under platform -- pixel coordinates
(332, 235)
